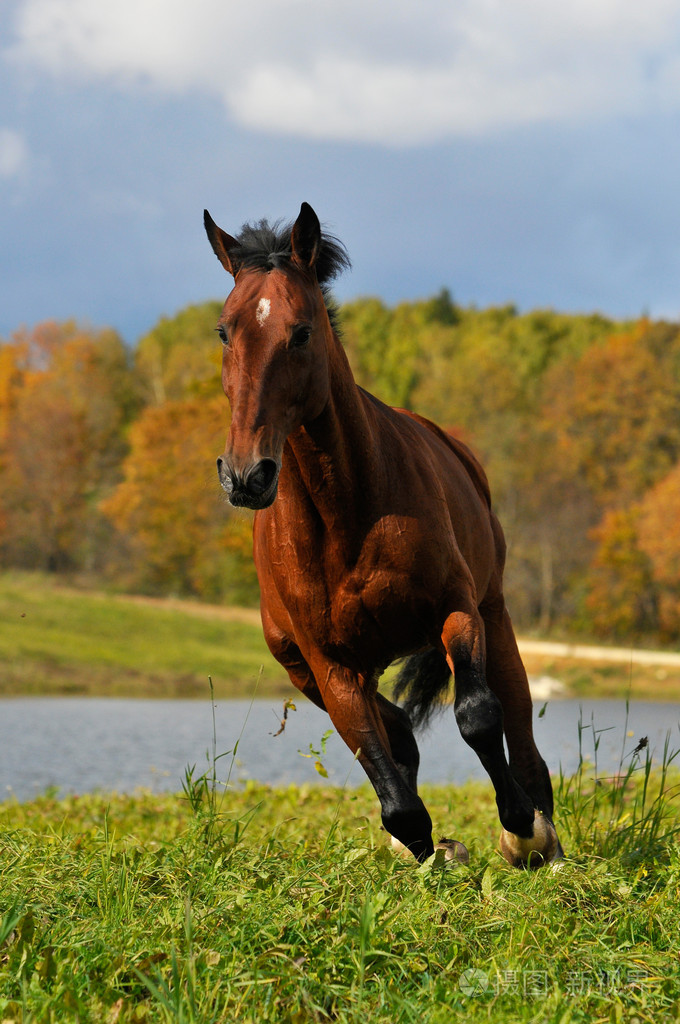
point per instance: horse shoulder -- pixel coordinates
(465, 456)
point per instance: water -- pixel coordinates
(84, 744)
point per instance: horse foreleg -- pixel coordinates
(288, 654)
(401, 739)
(527, 835)
(368, 727)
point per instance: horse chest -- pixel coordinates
(375, 601)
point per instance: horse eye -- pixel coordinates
(224, 337)
(300, 336)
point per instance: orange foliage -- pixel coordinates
(65, 394)
(659, 533)
(182, 532)
(620, 579)
(616, 419)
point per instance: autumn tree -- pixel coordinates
(181, 534)
(616, 414)
(659, 538)
(181, 355)
(621, 599)
(63, 442)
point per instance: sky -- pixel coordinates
(513, 151)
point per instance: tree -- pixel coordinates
(620, 599)
(181, 534)
(616, 414)
(71, 397)
(383, 348)
(659, 539)
(181, 356)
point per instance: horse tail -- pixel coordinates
(423, 680)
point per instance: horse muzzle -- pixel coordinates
(254, 488)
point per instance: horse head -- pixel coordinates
(274, 330)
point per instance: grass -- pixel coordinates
(260, 905)
(61, 640)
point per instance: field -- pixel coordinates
(288, 906)
(63, 640)
(254, 904)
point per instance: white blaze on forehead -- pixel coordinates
(263, 310)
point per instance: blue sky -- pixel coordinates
(520, 151)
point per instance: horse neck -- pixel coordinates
(335, 454)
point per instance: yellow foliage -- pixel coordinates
(183, 534)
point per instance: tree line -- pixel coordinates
(107, 453)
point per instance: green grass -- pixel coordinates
(56, 639)
(59, 640)
(261, 905)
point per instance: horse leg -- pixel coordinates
(401, 739)
(358, 714)
(407, 759)
(479, 715)
(289, 655)
(507, 678)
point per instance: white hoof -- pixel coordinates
(396, 845)
(540, 849)
(453, 851)
(446, 850)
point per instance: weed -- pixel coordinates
(630, 814)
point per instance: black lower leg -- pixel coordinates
(480, 719)
(404, 814)
(403, 744)
(535, 781)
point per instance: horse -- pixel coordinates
(374, 541)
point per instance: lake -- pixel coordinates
(84, 744)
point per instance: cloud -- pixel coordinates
(13, 153)
(393, 71)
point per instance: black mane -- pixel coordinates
(266, 246)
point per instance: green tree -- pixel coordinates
(383, 350)
(181, 355)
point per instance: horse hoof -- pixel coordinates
(453, 851)
(397, 846)
(534, 852)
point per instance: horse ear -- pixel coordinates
(222, 243)
(305, 239)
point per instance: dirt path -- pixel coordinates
(583, 652)
(223, 613)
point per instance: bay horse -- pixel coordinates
(374, 541)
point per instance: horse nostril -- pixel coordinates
(261, 476)
(224, 475)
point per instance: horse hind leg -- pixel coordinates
(528, 838)
(507, 678)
